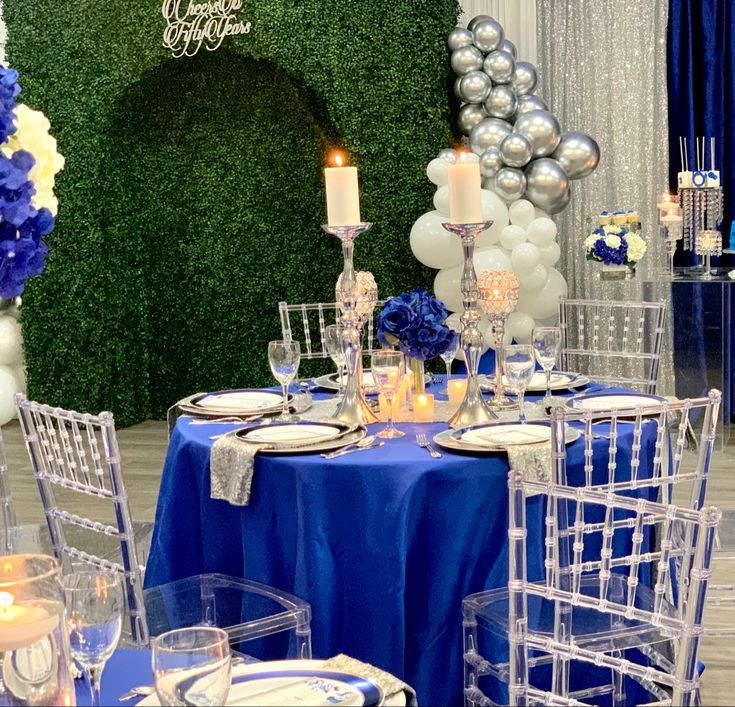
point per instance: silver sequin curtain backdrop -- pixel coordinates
(602, 69)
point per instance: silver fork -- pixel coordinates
(422, 441)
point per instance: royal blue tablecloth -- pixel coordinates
(384, 544)
(127, 668)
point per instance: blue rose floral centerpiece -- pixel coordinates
(29, 163)
(414, 322)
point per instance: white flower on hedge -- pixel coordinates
(613, 230)
(636, 247)
(32, 135)
(589, 242)
(612, 241)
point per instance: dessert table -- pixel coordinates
(384, 543)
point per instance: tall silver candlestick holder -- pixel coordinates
(473, 410)
(353, 408)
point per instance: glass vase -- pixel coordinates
(417, 369)
(34, 641)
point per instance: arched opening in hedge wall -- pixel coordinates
(192, 197)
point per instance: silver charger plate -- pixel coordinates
(331, 382)
(191, 405)
(560, 380)
(602, 402)
(448, 439)
(351, 435)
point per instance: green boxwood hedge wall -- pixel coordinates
(192, 197)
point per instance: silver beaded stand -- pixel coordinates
(473, 409)
(353, 409)
(702, 210)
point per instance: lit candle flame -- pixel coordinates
(6, 601)
(463, 156)
(338, 159)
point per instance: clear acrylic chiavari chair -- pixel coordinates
(76, 462)
(613, 342)
(615, 569)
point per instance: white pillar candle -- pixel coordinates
(465, 203)
(343, 194)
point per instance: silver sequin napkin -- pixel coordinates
(231, 465)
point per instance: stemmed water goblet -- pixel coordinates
(333, 342)
(547, 346)
(448, 357)
(388, 369)
(192, 666)
(284, 358)
(94, 611)
(518, 363)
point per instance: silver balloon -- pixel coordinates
(488, 133)
(476, 19)
(488, 35)
(515, 150)
(469, 116)
(524, 78)
(529, 103)
(547, 185)
(510, 184)
(541, 129)
(507, 46)
(459, 37)
(501, 102)
(466, 59)
(578, 154)
(499, 66)
(457, 83)
(475, 87)
(490, 162)
(448, 155)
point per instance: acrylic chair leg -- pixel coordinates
(469, 629)
(618, 684)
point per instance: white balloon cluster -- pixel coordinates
(523, 153)
(522, 239)
(12, 373)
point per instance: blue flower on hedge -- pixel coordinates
(20, 259)
(415, 322)
(611, 256)
(9, 90)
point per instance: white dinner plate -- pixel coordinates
(294, 433)
(498, 436)
(614, 401)
(351, 435)
(299, 682)
(560, 380)
(247, 401)
(331, 381)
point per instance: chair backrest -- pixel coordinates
(599, 542)
(77, 453)
(7, 507)
(613, 342)
(307, 324)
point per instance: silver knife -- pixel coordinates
(356, 449)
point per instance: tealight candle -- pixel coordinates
(465, 184)
(396, 407)
(423, 407)
(22, 625)
(456, 389)
(343, 194)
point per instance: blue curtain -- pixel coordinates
(701, 78)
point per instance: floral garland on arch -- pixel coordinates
(29, 162)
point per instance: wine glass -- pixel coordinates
(192, 666)
(333, 341)
(284, 358)
(547, 346)
(518, 364)
(388, 368)
(94, 611)
(448, 356)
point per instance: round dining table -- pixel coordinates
(384, 544)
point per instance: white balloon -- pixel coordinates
(520, 327)
(489, 342)
(11, 340)
(495, 210)
(511, 236)
(441, 200)
(446, 287)
(525, 257)
(8, 389)
(544, 303)
(438, 171)
(550, 253)
(490, 259)
(541, 231)
(521, 213)
(540, 213)
(432, 245)
(454, 322)
(534, 279)
(19, 371)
